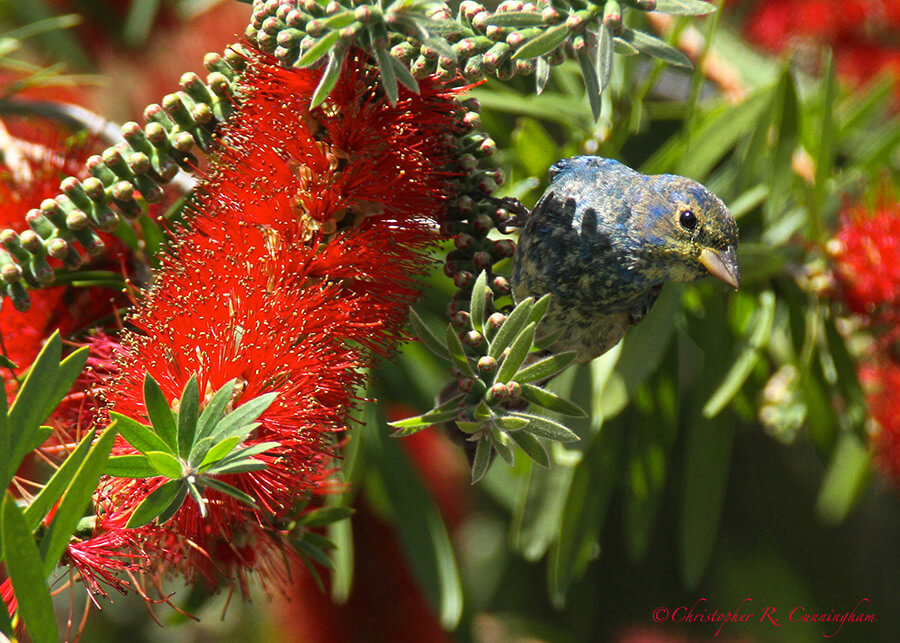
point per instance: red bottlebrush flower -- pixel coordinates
(298, 266)
(883, 382)
(36, 157)
(866, 257)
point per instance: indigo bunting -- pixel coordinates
(603, 239)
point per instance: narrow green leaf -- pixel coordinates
(584, 511)
(215, 410)
(388, 77)
(457, 352)
(516, 19)
(706, 465)
(340, 20)
(409, 426)
(304, 547)
(139, 436)
(441, 46)
(76, 498)
(69, 370)
(244, 465)
(197, 496)
(531, 446)
(477, 301)
(41, 435)
(417, 520)
(518, 351)
(159, 413)
(256, 449)
(550, 401)
(502, 446)
(188, 414)
(547, 367)
(165, 463)
(236, 422)
(325, 516)
(169, 511)
(5, 446)
(685, 7)
(29, 409)
(24, 567)
(547, 428)
(228, 490)
(53, 490)
(539, 309)
(482, 460)
(403, 74)
(431, 341)
(219, 451)
(743, 365)
(511, 423)
(321, 47)
(156, 503)
(541, 75)
(329, 77)
(515, 322)
(655, 47)
(544, 43)
(844, 479)
(130, 466)
(591, 82)
(624, 48)
(786, 120)
(603, 62)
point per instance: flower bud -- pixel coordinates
(487, 364)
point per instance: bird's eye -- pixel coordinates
(687, 219)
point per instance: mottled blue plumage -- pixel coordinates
(603, 239)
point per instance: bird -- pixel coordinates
(604, 238)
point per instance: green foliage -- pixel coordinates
(189, 448)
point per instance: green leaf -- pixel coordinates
(541, 75)
(477, 301)
(844, 479)
(786, 119)
(329, 77)
(457, 352)
(403, 74)
(550, 401)
(655, 47)
(305, 547)
(130, 466)
(243, 465)
(416, 519)
(603, 61)
(75, 499)
(591, 82)
(196, 495)
(515, 322)
(482, 460)
(706, 465)
(516, 19)
(743, 365)
(547, 367)
(219, 451)
(214, 410)
(322, 46)
(325, 516)
(444, 413)
(518, 351)
(160, 414)
(544, 43)
(172, 508)
(685, 7)
(236, 422)
(585, 509)
(547, 428)
(188, 414)
(539, 309)
(386, 69)
(53, 490)
(165, 463)
(531, 446)
(156, 503)
(431, 341)
(139, 436)
(228, 490)
(511, 423)
(24, 567)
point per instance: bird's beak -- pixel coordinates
(722, 264)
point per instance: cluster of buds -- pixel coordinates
(139, 166)
(493, 353)
(425, 38)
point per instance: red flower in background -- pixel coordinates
(866, 256)
(862, 33)
(883, 382)
(299, 262)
